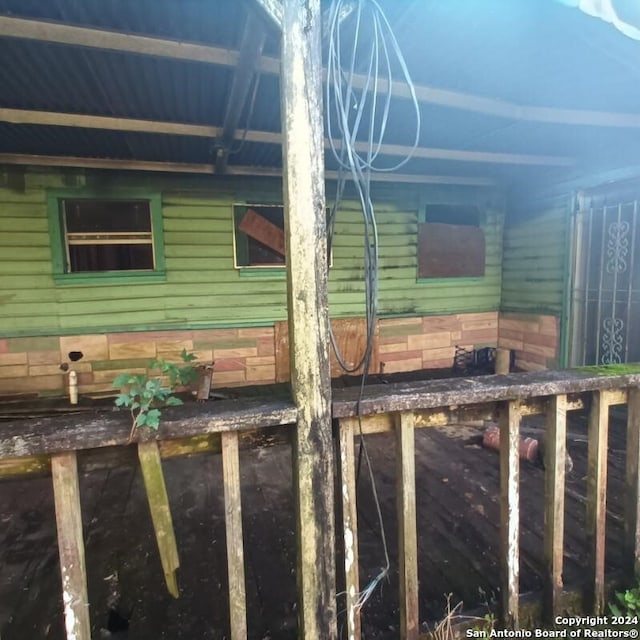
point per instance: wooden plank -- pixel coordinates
(350, 337)
(617, 396)
(263, 230)
(146, 45)
(158, 500)
(273, 10)
(510, 512)
(632, 480)
(466, 391)
(304, 198)
(37, 436)
(28, 465)
(110, 123)
(555, 460)
(235, 546)
(208, 169)
(407, 526)
(597, 501)
(503, 361)
(346, 447)
(447, 251)
(88, 121)
(75, 598)
(105, 163)
(118, 41)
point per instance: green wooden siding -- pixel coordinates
(535, 250)
(202, 288)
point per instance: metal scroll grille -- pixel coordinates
(606, 304)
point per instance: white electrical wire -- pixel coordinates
(348, 106)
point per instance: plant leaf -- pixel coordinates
(121, 380)
(187, 357)
(122, 400)
(172, 401)
(153, 418)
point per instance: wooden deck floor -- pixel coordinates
(458, 537)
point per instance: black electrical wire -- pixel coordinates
(348, 105)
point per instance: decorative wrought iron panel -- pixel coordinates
(606, 294)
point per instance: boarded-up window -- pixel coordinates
(259, 235)
(451, 242)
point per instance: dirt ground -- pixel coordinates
(458, 538)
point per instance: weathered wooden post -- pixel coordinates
(632, 503)
(306, 238)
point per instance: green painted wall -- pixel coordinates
(202, 288)
(535, 253)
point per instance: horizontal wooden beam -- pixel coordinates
(58, 119)
(273, 10)
(117, 41)
(209, 169)
(49, 118)
(146, 45)
(104, 163)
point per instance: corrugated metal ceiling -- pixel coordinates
(529, 53)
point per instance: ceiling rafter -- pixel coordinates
(273, 9)
(147, 45)
(21, 116)
(210, 169)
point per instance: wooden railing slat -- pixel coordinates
(156, 489)
(64, 470)
(235, 545)
(555, 460)
(597, 500)
(632, 497)
(510, 512)
(349, 524)
(407, 526)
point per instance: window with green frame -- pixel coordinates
(105, 237)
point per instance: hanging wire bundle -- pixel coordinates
(361, 42)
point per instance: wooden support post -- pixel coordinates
(597, 501)
(632, 496)
(64, 469)
(407, 527)
(510, 512)
(233, 523)
(503, 360)
(349, 524)
(555, 460)
(151, 466)
(305, 229)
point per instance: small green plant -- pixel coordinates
(626, 603)
(144, 395)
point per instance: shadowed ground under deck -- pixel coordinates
(458, 539)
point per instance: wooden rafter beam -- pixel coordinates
(273, 10)
(57, 119)
(254, 37)
(209, 169)
(19, 116)
(146, 45)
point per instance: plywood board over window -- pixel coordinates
(450, 251)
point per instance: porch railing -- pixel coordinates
(396, 408)
(402, 409)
